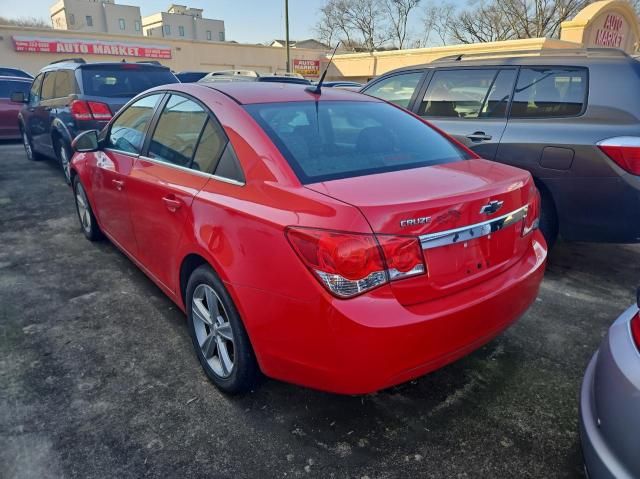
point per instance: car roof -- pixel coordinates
(564, 57)
(14, 78)
(247, 93)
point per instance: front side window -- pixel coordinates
(122, 24)
(34, 92)
(549, 92)
(48, 86)
(177, 131)
(89, 19)
(181, 31)
(397, 89)
(128, 130)
(330, 140)
(468, 93)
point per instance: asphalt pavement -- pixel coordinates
(98, 377)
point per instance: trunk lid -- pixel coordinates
(426, 202)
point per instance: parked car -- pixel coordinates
(560, 114)
(72, 96)
(249, 75)
(190, 77)
(610, 402)
(14, 72)
(333, 241)
(9, 110)
(349, 85)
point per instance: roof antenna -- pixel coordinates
(317, 90)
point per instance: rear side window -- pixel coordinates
(123, 81)
(397, 89)
(7, 87)
(177, 131)
(329, 140)
(212, 142)
(128, 130)
(549, 92)
(65, 84)
(468, 93)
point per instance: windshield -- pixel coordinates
(126, 81)
(330, 140)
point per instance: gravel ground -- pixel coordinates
(98, 377)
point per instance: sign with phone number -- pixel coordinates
(88, 47)
(307, 68)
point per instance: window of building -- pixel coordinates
(208, 34)
(136, 25)
(89, 19)
(221, 36)
(166, 29)
(549, 92)
(72, 19)
(468, 93)
(122, 24)
(181, 31)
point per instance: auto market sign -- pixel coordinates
(307, 68)
(89, 47)
(611, 33)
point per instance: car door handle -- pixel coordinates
(172, 203)
(479, 136)
(119, 184)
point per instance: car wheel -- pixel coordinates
(218, 335)
(548, 219)
(87, 219)
(28, 147)
(64, 157)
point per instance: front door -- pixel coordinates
(164, 182)
(470, 104)
(114, 165)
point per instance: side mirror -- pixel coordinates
(86, 141)
(18, 97)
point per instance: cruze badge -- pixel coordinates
(422, 220)
(491, 207)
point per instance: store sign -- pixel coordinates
(307, 68)
(88, 47)
(611, 32)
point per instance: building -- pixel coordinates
(180, 22)
(99, 16)
(310, 44)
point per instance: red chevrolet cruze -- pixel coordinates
(331, 240)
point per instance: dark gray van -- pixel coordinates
(570, 117)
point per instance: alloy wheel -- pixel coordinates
(213, 330)
(83, 208)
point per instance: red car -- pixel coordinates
(9, 128)
(330, 240)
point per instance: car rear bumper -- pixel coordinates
(371, 342)
(609, 405)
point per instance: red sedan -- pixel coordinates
(331, 240)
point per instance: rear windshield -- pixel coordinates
(125, 81)
(7, 87)
(330, 140)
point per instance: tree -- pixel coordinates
(25, 22)
(437, 20)
(399, 11)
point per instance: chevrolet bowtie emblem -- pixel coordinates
(491, 207)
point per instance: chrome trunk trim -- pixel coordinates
(478, 230)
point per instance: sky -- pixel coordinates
(246, 21)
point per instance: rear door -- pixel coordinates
(470, 104)
(113, 167)
(41, 116)
(181, 153)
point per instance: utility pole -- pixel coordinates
(286, 30)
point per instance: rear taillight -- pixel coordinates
(624, 151)
(348, 264)
(532, 220)
(90, 110)
(635, 322)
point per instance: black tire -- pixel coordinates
(88, 223)
(244, 373)
(32, 155)
(64, 154)
(548, 218)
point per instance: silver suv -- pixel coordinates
(570, 117)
